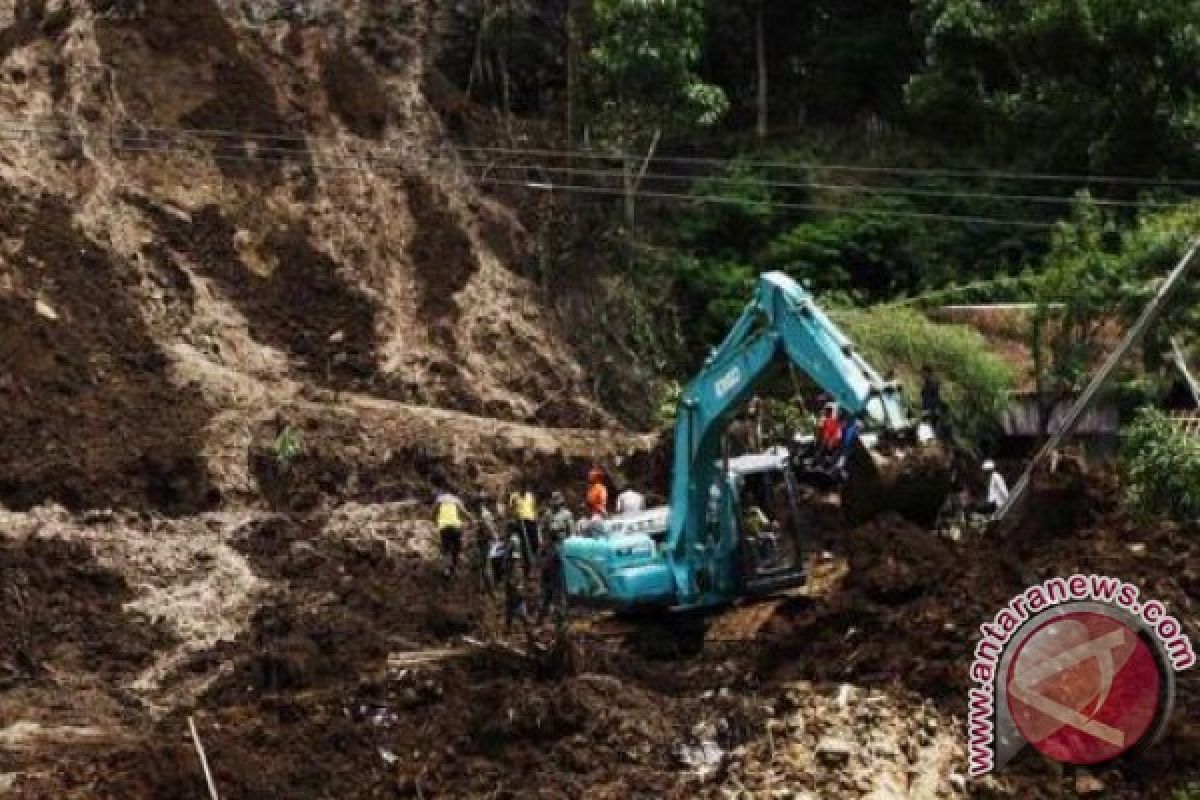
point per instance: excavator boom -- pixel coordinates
(696, 556)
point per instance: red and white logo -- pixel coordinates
(1080, 668)
(1084, 688)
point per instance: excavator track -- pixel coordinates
(741, 623)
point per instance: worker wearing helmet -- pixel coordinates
(448, 515)
(523, 507)
(597, 494)
(997, 489)
(630, 500)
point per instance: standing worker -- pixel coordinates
(630, 500)
(514, 591)
(558, 524)
(597, 494)
(499, 561)
(486, 532)
(829, 434)
(448, 515)
(523, 507)
(997, 490)
(931, 397)
(852, 430)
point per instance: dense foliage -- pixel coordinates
(1096, 282)
(975, 382)
(1090, 86)
(1163, 468)
(640, 71)
(918, 152)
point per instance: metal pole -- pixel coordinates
(1181, 362)
(1134, 335)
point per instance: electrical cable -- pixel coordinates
(152, 143)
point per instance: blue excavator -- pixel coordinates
(732, 530)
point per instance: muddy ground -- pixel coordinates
(304, 701)
(172, 298)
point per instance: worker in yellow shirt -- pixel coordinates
(523, 507)
(448, 514)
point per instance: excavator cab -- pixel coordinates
(771, 553)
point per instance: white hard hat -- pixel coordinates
(989, 466)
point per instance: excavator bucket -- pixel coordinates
(912, 481)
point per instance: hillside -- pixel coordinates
(222, 221)
(255, 310)
(217, 216)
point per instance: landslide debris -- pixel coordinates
(909, 611)
(91, 415)
(61, 613)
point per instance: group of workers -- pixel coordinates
(515, 545)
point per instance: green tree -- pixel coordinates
(1162, 465)
(975, 382)
(1094, 86)
(1098, 278)
(1096, 273)
(874, 255)
(642, 78)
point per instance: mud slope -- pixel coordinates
(214, 206)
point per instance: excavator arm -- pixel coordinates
(781, 319)
(693, 554)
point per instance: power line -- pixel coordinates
(909, 171)
(291, 155)
(845, 187)
(669, 159)
(131, 142)
(272, 136)
(719, 200)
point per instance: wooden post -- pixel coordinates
(1181, 361)
(633, 182)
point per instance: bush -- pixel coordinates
(975, 381)
(1162, 467)
(286, 447)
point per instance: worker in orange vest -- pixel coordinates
(597, 494)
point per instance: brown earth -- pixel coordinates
(217, 224)
(60, 612)
(909, 610)
(305, 700)
(230, 223)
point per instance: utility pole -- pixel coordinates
(572, 32)
(1005, 517)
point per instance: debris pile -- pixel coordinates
(848, 741)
